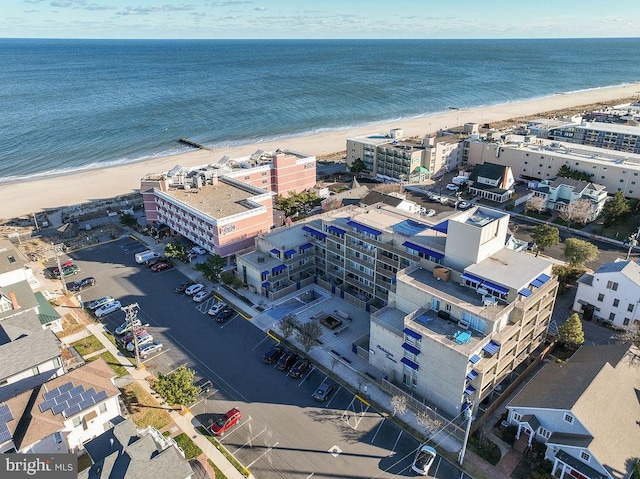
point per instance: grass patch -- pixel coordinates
(621, 229)
(190, 448)
(218, 472)
(574, 225)
(144, 409)
(487, 450)
(70, 325)
(113, 341)
(113, 363)
(87, 345)
(540, 216)
(84, 462)
(241, 469)
(166, 433)
(110, 337)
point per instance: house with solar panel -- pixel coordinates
(60, 415)
(586, 411)
(452, 311)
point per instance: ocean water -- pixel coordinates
(67, 105)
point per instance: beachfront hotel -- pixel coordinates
(452, 311)
(223, 206)
(535, 158)
(409, 160)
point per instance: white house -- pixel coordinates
(586, 411)
(562, 192)
(13, 268)
(492, 181)
(62, 414)
(611, 293)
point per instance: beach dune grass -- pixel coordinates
(143, 408)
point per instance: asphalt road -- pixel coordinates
(284, 433)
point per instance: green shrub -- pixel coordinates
(489, 451)
(509, 434)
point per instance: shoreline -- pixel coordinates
(27, 196)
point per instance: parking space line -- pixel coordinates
(220, 438)
(393, 449)
(248, 443)
(306, 378)
(160, 353)
(378, 429)
(259, 343)
(261, 455)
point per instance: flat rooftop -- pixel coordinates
(513, 269)
(217, 201)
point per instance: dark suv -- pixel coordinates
(273, 354)
(286, 361)
(299, 368)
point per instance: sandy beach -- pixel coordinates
(18, 199)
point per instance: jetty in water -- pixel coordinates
(195, 144)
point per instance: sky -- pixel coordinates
(318, 19)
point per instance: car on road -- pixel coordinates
(193, 289)
(227, 421)
(145, 351)
(423, 460)
(216, 308)
(182, 288)
(107, 309)
(201, 295)
(142, 340)
(324, 390)
(300, 368)
(225, 314)
(161, 266)
(273, 354)
(68, 271)
(128, 326)
(100, 302)
(286, 361)
(452, 187)
(83, 283)
(198, 250)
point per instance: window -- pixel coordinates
(612, 285)
(568, 418)
(612, 317)
(630, 308)
(616, 302)
(447, 307)
(57, 437)
(103, 407)
(77, 421)
(621, 181)
(626, 321)
(35, 371)
(585, 456)
(544, 433)
(600, 297)
(517, 416)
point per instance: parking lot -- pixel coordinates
(284, 432)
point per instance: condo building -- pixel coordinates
(453, 312)
(612, 136)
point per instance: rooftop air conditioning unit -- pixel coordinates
(260, 259)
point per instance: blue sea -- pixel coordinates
(67, 105)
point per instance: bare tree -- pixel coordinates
(288, 324)
(536, 203)
(308, 334)
(631, 335)
(331, 203)
(579, 211)
(387, 188)
(431, 425)
(399, 404)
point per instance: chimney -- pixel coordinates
(14, 300)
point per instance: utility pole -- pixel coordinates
(469, 415)
(633, 241)
(57, 250)
(130, 316)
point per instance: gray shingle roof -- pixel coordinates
(630, 269)
(24, 297)
(10, 259)
(28, 351)
(487, 170)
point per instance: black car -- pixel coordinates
(223, 315)
(83, 283)
(273, 354)
(323, 391)
(299, 368)
(286, 361)
(183, 286)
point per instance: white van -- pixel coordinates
(146, 256)
(459, 180)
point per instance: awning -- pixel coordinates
(525, 292)
(494, 287)
(441, 227)
(336, 230)
(290, 252)
(276, 251)
(306, 246)
(411, 349)
(277, 269)
(412, 333)
(472, 278)
(491, 348)
(474, 359)
(422, 249)
(472, 375)
(364, 229)
(316, 233)
(469, 390)
(409, 363)
(543, 278)
(264, 273)
(266, 284)
(536, 283)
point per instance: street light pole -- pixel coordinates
(57, 250)
(633, 241)
(469, 415)
(130, 315)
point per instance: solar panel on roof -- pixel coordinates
(5, 435)
(45, 406)
(77, 390)
(88, 393)
(75, 400)
(66, 387)
(85, 404)
(62, 397)
(58, 408)
(101, 396)
(51, 394)
(75, 409)
(5, 413)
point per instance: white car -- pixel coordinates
(142, 340)
(452, 187)
(126, 327)
(216, 308)
(149, 348)
(201, 295)
(100, 302)
(193, 289)
(107, 308)
(429, 212)
(423, 460)
(198, 250)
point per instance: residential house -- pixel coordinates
(62, 414)
(491, 181)
(125, 452)
(611, 293)
(586, 411)
(561, 192)
(13, 268)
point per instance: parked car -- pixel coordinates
(423, 460)
(100, 302)
(324, 390)
(299, 368)
(228, 420)
(216, 308)
(286, 361)
(129, 336)
(66, 264)
(429, 212)
(107, 309)
(146, 350)
(128, 326)
(68, 271)
(83, 283)
(452, 187)
(193, 289)
(531, 245)
(464, 205)
(198, 250)
(182, 288)
(201, 295)
(161, 266)
(153, 261)
(273, 354)
(203, 385)
(142, 340)
(433, 197)
(225, 314)
(444, 200)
